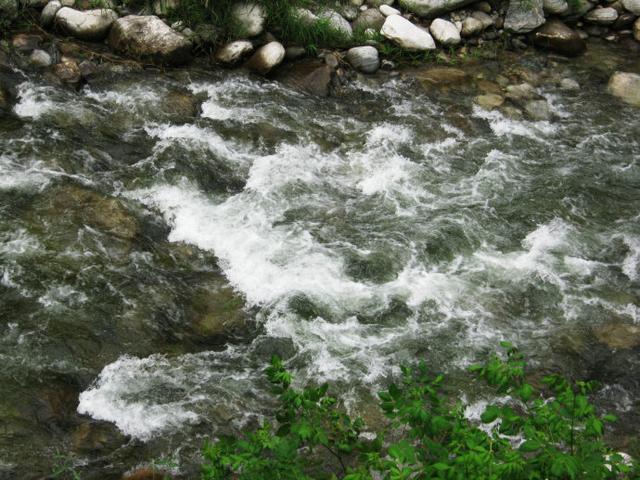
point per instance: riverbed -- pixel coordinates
(152, 261)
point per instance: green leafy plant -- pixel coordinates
(525, 434)
(64, 468)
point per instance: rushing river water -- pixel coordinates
(151, 263)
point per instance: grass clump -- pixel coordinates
(281, 19)
(548, 433)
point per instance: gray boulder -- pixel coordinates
(632, 5)
(266, 58)
(406, 35)
(625, 86)
(555, 35)
(337, 22)
(431, 8)
(471, 26)
(602, 16)
(48, 14)
(445, 32)
(40, 58)
(232, 52)
(524, 16)
(250, 17)
(364, 59)
(149, 38)
(538, 110)
(370, 18)
(636, 30)
(555, 7)
(86, 25)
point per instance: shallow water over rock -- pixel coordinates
(153, 261)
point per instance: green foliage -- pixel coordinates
(524, 436)
(64, 468)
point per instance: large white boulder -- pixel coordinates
(406, 35)
(88, 24)
(250, 17)
(266, 58)
(445, 32)
(149, 38)
(48, 14)
(387, 10)
(625, 86)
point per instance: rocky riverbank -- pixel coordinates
(373, 35)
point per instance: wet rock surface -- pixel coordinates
(149, 38)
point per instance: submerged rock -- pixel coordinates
(92, 208)
(68, 71)
(441, 76)
(310, 76)
(538, 110)
(266, 58)
(555, 35)
(234, 51)
(217, 311)
(489, 101)
(625, 86)
(149, 38)
(618, 335)
(86, 25)
(524, 16)
(182, 103)
(250, 17)
(445, 32)
(407, 35)
(431, 8)
(364, 59)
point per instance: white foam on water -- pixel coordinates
(191, 135)
(34, 100)
(121, 393)
(631, 263)
(131, 98)
(503, 126)
(17, 243)
(543, 249)
(23, 174)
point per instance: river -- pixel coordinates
(151, 263)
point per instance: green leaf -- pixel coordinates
(490, 414)
(530, 446)
(402, 451)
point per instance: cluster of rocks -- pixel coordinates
(410, 25)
